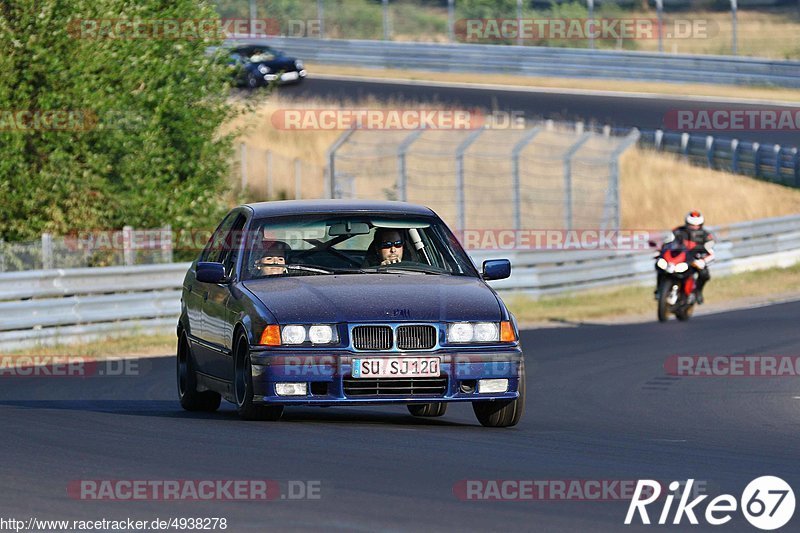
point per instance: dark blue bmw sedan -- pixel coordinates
(336, 302)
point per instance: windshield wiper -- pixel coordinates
(308, 268)
(395, 270)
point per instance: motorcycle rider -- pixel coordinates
(698, 242)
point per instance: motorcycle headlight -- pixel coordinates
(681, 267)
(263, 69)
(662, 263)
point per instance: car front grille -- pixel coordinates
(372, 338)
(416, 337)
(395, 387)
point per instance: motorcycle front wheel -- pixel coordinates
(663, 295)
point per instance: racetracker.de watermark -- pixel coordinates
(193, 489)
(580, 29)
(726, 119)
(765, 366)
(77, 120)
(595, 490)
(191, 29)
(68, 366)
(395, 119)
(554, 239)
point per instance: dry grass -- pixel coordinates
(648, 178)
(134, 346)
(633, 302)
(672, 89)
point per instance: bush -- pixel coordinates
(154, 157)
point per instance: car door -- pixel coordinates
(202, 347)
(218, 318)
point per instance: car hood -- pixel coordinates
(279, 63)
(376, 297)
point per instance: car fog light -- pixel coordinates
(291, 389)
(492, 385)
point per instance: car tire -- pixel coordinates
(243, 386)
(428, 409)
(252, 81)
(502, 413)
(191, 399)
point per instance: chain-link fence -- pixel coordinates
(266, 175)
(127, 247)
(546, 177)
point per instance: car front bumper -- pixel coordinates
(330, 382)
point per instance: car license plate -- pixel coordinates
(393, 367)
(289, 76)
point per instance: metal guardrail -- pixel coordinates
(542, 61)
(59, 306)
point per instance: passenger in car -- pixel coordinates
(273, 258)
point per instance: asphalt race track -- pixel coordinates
(618, 111)
(600, 407)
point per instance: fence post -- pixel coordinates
(733, 17)
(297, 179)
(243, 158)
(385, 19)
(519, 23)
(270, 190)
(47, 251)
(710, 150)
(166, 244)
(402, 173)
(128, 252)
(660, 14)
(2, 255)
(331, 177)
(321, 17)
(460, 201)
(451, 19)
(612, 196)
(515, 185)
(735, 155)
(568, 176)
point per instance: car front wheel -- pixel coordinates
(243, 387)
(502, 413)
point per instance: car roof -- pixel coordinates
(333, 207)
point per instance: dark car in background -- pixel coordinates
(290, 304)
(258, 64)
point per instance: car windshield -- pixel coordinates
(303, 246)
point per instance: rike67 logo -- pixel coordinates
(767, 503)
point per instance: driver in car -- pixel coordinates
(273, 259)
(389, 244)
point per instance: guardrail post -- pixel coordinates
(2, 256)
(519, 22)
(331, 177)
(385, 19)
(568, 175)
(590, 5)
(710, 150)
(735, 155)
(660, 13)
(515, 187)
(166, 244)
(658, 138)
(756, 160)
(733, 17)
(297, 179)
(777, 150)
(47, 251)
(451, 17)
(128, 252)
(795, 166)
(402, 174)
(685, 145)
(460, 201)
(321, 17)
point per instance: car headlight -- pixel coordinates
(293, 335)
(662, 263)
(473, 332)
(320, 334)
(681, 267)
(263, 69)
(298, 64)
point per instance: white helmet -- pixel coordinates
(694, 218)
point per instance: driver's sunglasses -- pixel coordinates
(390, 244)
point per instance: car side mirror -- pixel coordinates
(211, 273)
(496, 269)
